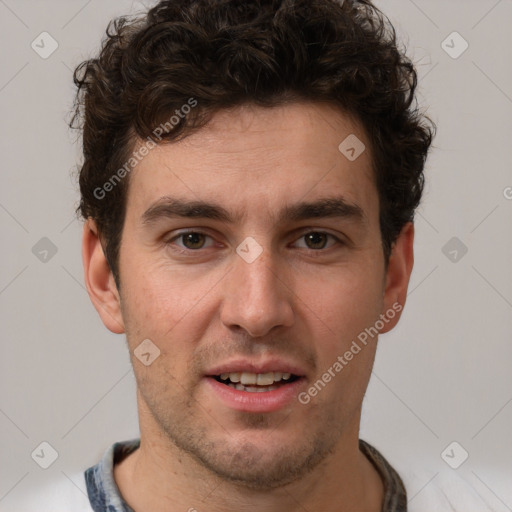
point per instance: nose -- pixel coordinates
(257, 297)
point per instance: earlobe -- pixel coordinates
(398, 273)
(99, 280)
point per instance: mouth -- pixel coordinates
(256, 382)
(255, 388)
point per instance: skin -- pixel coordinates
(204, 306)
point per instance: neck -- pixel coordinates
(161, 477)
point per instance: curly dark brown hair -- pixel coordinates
(224, 53)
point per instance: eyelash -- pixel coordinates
(180, 249)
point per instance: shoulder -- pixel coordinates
(432, 486)
(57, 494)
(448, 490)
(62, 492)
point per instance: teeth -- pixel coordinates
(252, 389)
(248, 378)
(254, 379)
(265, 379)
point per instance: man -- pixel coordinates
(250, 175)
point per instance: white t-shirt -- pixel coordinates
(445, 491)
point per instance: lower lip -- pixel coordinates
(266, 401)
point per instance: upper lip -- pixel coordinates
(245, 365)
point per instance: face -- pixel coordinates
(252, 258)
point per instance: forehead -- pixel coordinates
(262, 158)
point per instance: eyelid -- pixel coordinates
(322, 232)
(170, 241)
(297, 236)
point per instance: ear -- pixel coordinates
(99, 280)
(398, 273)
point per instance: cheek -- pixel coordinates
(154, 290)
(150, 305)
(344, 303)
(169, 307)
(350, 304)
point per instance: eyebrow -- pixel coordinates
(330, 207)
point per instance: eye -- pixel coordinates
(192, 240)
(317, 240)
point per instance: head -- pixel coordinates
(206, 122)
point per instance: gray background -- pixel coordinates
(442, 375)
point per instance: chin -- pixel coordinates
(264, 465)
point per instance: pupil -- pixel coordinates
(194, 240)
(316, 239)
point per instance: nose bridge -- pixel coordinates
(256, 298)
(259, 278)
